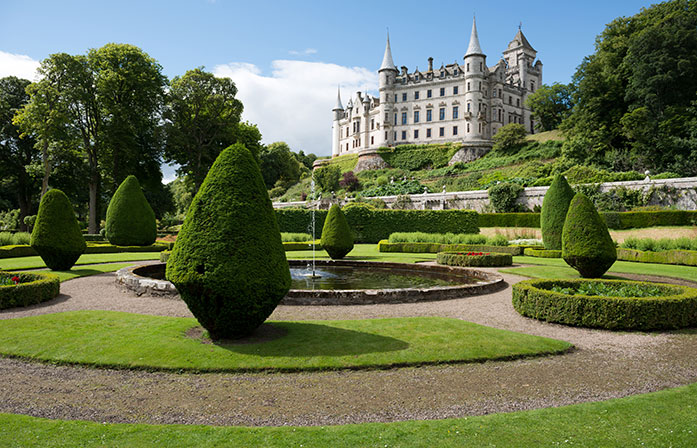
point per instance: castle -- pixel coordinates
(465, 103)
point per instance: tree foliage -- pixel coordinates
(327, 178)
(510, 137)
(550, 105)
(278, 163)
(337, 238)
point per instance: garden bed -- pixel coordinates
(474, 259)
(24, 289)
(560, 301)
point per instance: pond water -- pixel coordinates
(340, 277)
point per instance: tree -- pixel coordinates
(201, 119)
(327, 177)
(277, 163)
(305, 159)
(510, 137)
(16, 153)
(554, 208)
(550, 105)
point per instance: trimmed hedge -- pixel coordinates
(434, 248)
(509, 220)
(614, 220)
(164, 255)
(541, 253)
(682, 257)
(21, 250)
(130, 221)
(492, 259)
(305, 245)
(32, 289)
(336, 234)
(56, 236)
(554, 207)
(92, 248)
(370, 225)
(533, 298)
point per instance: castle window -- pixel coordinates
(404, 97)
(372, 124)
(441, 113)
(500, 114)
(385, 135)
(532, 86)
(468, 87)
(480, 128)
(395, 97)
(441, 132)
(395, 135)
(494, 93)
(479, 109)
(517, 102)
(395, 119)
(456, 112)
(480, 86)
(387, 117)
(416, 95)
(454, 130)
(404, 135)
(442, 73)
(416, 116)
(404, 118)
(455, 90)
(468, 66)
(429, 116)
(428, 133)
(416, 133)
(416, 78)
(442, 91)
(469, 107)
(500, 94)
(428, 93)
(510, 99)
(468, 128)
(372, 141)
(481, 69)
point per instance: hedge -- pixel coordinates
(20, 250)
(541, 253)
(492, 259)
(683, 257)
(533, 298)
(306, 245)
(92, 248)
(371, 225)
(32, 289)
(434, 248)
(164, 256)
(509, 220)
(614, 220)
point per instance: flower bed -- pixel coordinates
(474, 259)
(24, 289)
(541, 253)
(561, 301)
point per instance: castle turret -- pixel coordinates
(336, 129)
(475, 80)
(520, 56)
(387, 74)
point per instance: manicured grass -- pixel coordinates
(364, 252)
(87, 270)
(12, 264)
(124, 340)
(557, 268)
(660, 419)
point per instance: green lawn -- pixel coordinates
(557, 268)
(13, 264)
(660, 419)
(124, 340)
(89, 269)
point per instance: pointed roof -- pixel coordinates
(338, 100)
(474, 47)
(387, 62)
(520, 41)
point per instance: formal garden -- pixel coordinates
(597, 343)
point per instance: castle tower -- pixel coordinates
(336, 129)
(520, 56)
(475, 86)
(387, 74)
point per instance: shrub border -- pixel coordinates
(532, 298)
(33, 288)
(675, 256)
(488, 260)
(541, 253)
(434, 248)
(28, 251)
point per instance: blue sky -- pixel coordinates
(288, 57)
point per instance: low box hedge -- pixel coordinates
(305, 245)
(682, 257)
(434, 248)
(92, 248)
(20, 250)
(509, 220)
(164, 255)
(614, 220)
(474, 259)
(541, 253)
(32, 289)
(678, 309)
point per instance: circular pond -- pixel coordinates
(343, 282)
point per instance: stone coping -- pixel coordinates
(133, 279)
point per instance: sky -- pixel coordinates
(287, 58)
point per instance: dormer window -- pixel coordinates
(416, 78)
(442, 73)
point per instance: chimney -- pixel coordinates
(430, 64)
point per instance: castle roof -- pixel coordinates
(338, 100)
(387, 62)
(474, 48)
(520, 41)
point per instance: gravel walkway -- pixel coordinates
(603, 365)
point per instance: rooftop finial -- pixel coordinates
(474, 47)
(387, 62)
(338, 106)
(520, 25)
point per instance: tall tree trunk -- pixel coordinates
(47, 168)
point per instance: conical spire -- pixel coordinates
(474, 47)
(387, 62)
(338, 100)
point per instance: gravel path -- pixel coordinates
(603, 365)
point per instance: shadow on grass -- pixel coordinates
(305, 339)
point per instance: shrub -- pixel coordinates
(349, 181)
(32, 288)
(504, 197)
(336, 234)
(554, 207)
(474, 259)
(14, 239)
(541, 253)
(434, 248)
(287, 237)
(164, 256)
(400, 187)
(327, 177)
(419, 157)
(233, 274)
(130, 221)
(56, 236)
(586, 242)
(510, 137)
(447, 238)
(675, 308)
(681, 257)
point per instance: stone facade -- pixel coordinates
(465, 102)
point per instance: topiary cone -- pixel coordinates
(586, 242)
(130, 220)
(337, 238)
(56, 236)
(554, 208)
(228, 263)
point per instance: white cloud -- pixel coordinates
(18, 65)
(294, 103)
(306, 51)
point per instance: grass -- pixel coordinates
(90, 269)
(125, 340)
(660, 419)
(546, 136)
(14, 264)
(557, 268)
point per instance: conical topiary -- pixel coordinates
(337, 239)
(56, 236)
(228, 263)
(130, 220)
(554, 208)
(586, 242)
